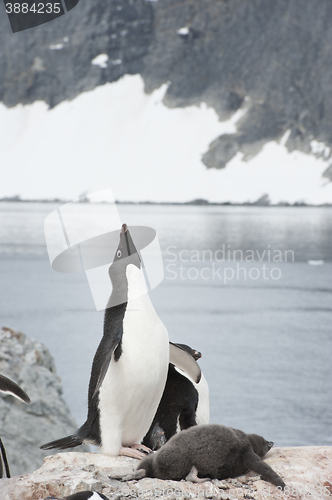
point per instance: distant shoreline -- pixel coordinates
(262, 202)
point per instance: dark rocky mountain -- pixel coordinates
(272, 56)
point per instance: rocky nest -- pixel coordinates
(307, 472)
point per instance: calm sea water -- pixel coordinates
(264, 332)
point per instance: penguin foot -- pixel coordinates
(130, 452)
(192, 476)
(141, 447)
(137, 474)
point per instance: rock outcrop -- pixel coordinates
(273, 58)
(23, 428)
(307, 472)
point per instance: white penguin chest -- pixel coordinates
(144, 345)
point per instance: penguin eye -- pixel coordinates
(118, 253)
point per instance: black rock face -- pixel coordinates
(272, 57)
(31, 70)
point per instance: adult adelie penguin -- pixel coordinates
(9, 387)
(185, 401)
(130, 366)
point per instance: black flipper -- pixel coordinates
(253, 462)
(104, 369)
(110, 343)
(4, 467)
(113, 331)
(9, 387)
(63, 443)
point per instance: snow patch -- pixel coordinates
(315, 262)
(38, 64)
(100, 61)
(56, 46)
(183, 31)
(120, 137)
(285, 137)
(237, 117)
(320, 149)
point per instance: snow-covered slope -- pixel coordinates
(117, 136)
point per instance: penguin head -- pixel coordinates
(195, 354)
(126, 253)
(259, 444)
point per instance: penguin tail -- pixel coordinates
(63, 443)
